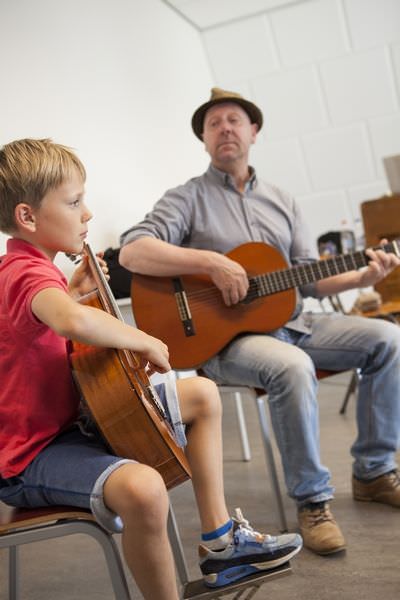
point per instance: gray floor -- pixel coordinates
(73, 568)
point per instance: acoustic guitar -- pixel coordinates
(190, 316)
(121, 399)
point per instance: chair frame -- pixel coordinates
(25, 526)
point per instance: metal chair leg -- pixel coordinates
(269, 455)
(351, 389)
(244, 438)
(177, 548)
(13, 573)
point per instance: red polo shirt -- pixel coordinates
(37, 395)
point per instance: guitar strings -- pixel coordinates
(284, 279)
(270, 283)
(205, 293)
(212, 296)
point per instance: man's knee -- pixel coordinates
(297, 366)
(385, 335)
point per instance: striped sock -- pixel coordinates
(219, 538)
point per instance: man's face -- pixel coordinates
(228, 133)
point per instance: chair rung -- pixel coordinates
(196, 590)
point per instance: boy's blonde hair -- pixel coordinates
(29, 169)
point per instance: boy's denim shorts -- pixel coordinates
(70, 471)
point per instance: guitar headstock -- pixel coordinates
(392, 246)
(75, 258)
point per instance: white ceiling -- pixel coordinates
(204, 14)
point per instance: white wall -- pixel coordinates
(118, 80)
(326, 74)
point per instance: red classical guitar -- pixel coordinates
(190, 316)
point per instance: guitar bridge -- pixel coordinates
(183, 308)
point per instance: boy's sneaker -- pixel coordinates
(248, 553)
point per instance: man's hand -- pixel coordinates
(381, 264)
(229, 277)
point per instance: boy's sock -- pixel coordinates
(219, 538)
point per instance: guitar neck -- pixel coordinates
(103, 286)
(299, 275)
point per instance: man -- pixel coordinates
(188, 232)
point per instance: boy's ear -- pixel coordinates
(25, 217)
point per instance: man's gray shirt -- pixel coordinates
(209, 213)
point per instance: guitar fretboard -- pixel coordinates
(285, 279)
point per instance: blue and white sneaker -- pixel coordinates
(248, 553)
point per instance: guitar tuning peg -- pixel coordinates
(75, 258)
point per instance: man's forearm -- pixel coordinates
(150, 256)
(338, 283)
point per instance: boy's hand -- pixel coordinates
(156, 353)
(82, 281)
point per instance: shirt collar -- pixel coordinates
(18, 246)
(226, 180)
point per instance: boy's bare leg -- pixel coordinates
(138, 495)
(202, 412)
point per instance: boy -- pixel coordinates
(45, 457)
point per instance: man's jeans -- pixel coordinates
(287, 372)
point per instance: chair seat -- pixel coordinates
(18, 518)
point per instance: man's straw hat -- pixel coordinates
(218, 96)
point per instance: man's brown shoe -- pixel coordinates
(385, 488)
(320, 532)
